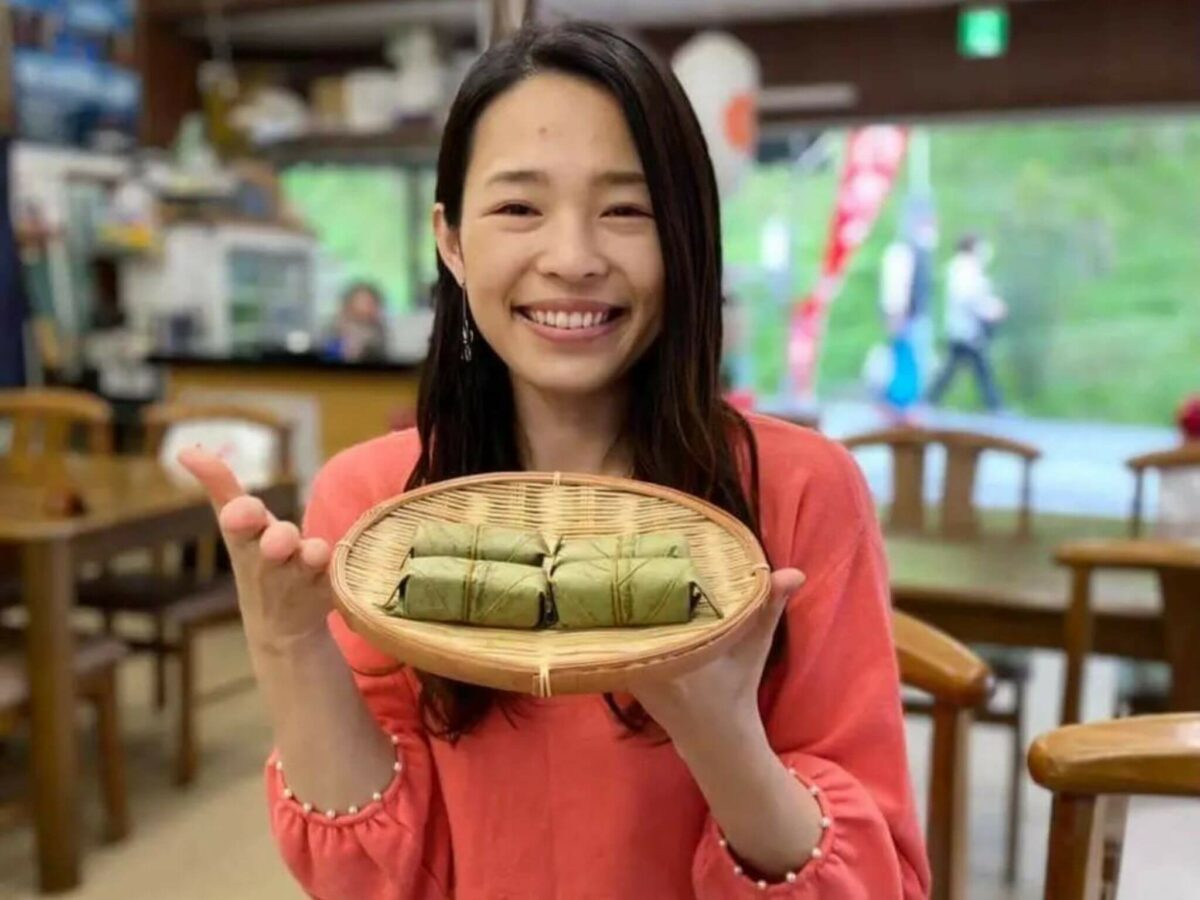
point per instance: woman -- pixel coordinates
(578, 329)
(360, 331)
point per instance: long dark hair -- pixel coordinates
(682, 434)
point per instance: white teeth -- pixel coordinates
(569, 320)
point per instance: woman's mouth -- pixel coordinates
(571, 322)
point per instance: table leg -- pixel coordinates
(1077, 642)
(49, 584)
(1181, 620)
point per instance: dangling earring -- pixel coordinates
(468, 337)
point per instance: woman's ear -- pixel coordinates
(448, 245)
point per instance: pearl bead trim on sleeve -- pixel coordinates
(815, 854)
(332, 814)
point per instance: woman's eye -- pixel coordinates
(627, 210)
(516, 209)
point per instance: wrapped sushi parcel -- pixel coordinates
(478, 575)
(623, 592)
(627, 546)
(481, 542)
(471, 592)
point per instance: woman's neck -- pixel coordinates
(572, 433)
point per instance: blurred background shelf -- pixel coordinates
(404, 145)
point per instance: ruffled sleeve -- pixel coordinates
(394, 845)
(832, 708)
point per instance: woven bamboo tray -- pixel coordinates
(730, 562)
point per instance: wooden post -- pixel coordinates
(946, 829)
(1077, 641)
(48, 576)
(8, 103)
(507, 16)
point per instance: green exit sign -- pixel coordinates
(983, 32)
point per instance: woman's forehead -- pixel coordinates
(553, 124)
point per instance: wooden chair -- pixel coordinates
(1143, 688)
(1092, 769)
(51, 422)
(95, 670)
(48, 421)
(958, 683)
(1185, 456)
(179, 606)
(959, 520)
(1177, 567)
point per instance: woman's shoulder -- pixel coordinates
(359, 477)
(812, 492)
(794, 455)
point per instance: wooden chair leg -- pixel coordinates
(1074, 863)
(1016, 784)
(160, 661)
(112, 758)
(947, 825)
(185, 750)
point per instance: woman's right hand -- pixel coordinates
(282, 579)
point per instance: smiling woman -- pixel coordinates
(578, 329)
(556, 243)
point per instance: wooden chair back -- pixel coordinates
(44, 421)
(1092, 769)
(1176, 565)
(958, 682)
(159, 418)
(1185, 456)
(959, 519)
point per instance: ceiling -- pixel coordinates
(363, 24)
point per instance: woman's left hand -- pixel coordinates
(722, 694)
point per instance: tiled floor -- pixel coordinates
(211, 842)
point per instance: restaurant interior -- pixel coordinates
(219, 233)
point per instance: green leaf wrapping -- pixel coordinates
(629, 546)
(495, 594)
(605, 593)
(480, 542)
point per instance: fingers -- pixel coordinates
(784, 583)
(279, 542)
(243, 520)
(214, 476)
(314, 555)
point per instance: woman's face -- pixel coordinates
(557, 245)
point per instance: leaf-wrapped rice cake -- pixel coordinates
(480, 542)
(470, 592)
(606, 593)
(623, 546)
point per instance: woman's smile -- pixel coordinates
(571, 321)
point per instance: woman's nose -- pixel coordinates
(572, 252)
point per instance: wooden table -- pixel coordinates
(1002, 590)
(128, 503)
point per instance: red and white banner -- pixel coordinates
(873, 157)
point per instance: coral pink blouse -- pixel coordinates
(562, 804)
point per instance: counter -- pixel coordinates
(332, 404)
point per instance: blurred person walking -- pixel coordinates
(973, 312)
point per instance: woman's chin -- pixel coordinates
(575, 381)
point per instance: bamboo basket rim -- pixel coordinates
(706, 642)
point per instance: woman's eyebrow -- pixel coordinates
(621, 178)
(519, 176)
(614, 177)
